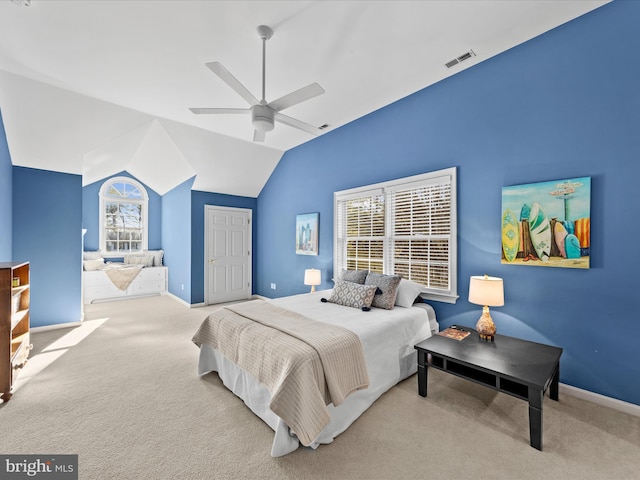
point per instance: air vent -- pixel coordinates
(460, 59)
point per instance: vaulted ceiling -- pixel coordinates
(97, 87)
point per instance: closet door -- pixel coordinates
(227, 254)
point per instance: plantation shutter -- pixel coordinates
(420, 232)
(360, 231)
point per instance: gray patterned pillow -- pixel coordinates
(388, 285)
(355, 276)
(353, 295)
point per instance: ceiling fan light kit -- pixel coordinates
(264, 114)
(262, 117)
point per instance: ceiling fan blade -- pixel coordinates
(225, 76)
(293, 98)
(292, 122)
(220, 110)
(259, 135)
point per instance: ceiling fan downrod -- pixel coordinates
(262, 116)
(265, 34)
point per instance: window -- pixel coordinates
(123, 217)
(405, 227)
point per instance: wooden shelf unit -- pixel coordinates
(14, 324)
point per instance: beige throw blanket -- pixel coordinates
(304, 363)
(121, 275)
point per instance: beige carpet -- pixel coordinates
(122, 392)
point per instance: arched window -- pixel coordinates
(123, 217)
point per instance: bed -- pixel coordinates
(387, 338)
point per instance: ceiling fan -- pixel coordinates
(263, 114)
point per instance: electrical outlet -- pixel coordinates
(273, 286)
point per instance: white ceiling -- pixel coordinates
(96, 87)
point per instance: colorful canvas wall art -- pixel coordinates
(307, 233)
(547, 224)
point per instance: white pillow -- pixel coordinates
(90, 265)
(157, 256)
(144, 260)
(408, 291)
(91, 255)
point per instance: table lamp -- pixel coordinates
(312, 277)
(488, 292)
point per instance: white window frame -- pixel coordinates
(144, 201)
(448, 175)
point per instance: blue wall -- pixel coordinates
(198, 201)
(47, 232)
(91, 214)
(176, 239)
(565, 104)
(6, 202)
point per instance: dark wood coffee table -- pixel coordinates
(516, 367)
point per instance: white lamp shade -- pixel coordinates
(312, 277)
(486, 291)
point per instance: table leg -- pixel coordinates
(555, 381)
(423, 368)
(535, 417)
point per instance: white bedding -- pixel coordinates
(387, 337)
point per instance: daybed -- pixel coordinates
(137, 275)
(387, 338)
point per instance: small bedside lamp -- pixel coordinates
(312, 277)
(488, 292)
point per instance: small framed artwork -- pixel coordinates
(547, 224)
(307, 233)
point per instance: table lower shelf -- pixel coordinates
(491, 380)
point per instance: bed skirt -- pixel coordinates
(257, 397)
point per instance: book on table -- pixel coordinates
(455, 333)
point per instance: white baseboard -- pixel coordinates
(598, 399)
(178, 299)
(57, 326)
(203, 304)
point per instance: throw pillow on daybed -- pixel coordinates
(144, 260)
(157, 256)
(90, 265)
(92, 255)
